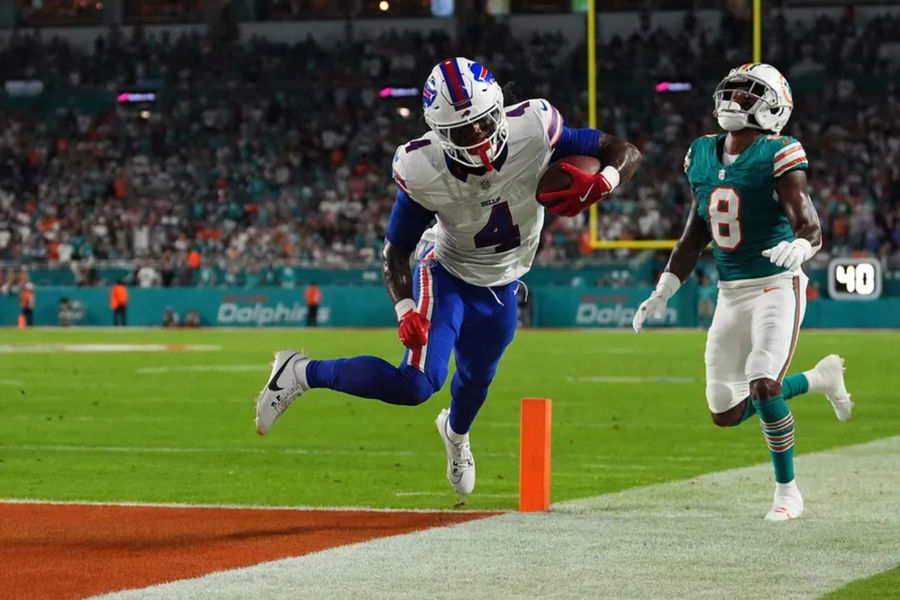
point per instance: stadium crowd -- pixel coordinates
(262, 154)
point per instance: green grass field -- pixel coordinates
(177, 426)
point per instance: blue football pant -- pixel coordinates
(477, 323)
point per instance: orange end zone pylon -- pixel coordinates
(534, 456)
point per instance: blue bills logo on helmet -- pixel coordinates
(481, 73)
(429, 93)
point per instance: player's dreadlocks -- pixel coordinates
(509, 94)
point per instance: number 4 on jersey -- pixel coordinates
(500, 230)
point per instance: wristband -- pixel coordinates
(403, 307)
(668, 284)
(611, 174)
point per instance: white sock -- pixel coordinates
(815, 379)
(455, 437)
(787, 489)
(299, 367)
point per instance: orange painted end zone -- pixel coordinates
(76, 550)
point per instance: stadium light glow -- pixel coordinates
(384, 6)
(136, 97)
(392, 92)
(672, 86)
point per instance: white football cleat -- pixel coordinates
(286, 382)
(460, 462)
(831, 383)
(787, 504)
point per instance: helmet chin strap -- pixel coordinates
(482, 152)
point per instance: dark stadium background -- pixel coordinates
(253, 151)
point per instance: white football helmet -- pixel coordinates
(753, 95)
(463, 105)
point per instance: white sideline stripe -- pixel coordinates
(30, 348)
(201, 369)
(627, 379)
(238, 506)
(698, 539)
(426, 493)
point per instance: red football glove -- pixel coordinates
(413, 329)
(586, 189)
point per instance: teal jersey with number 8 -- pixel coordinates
(739, 203)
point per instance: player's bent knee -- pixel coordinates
(761, 389)
(419, 387)
(730, 417)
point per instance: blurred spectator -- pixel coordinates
(66, 312)
(147, 276)
(27, 303)
(192, 318)
(313, 299)
(170, 318)
(118, 302)
(239, 172)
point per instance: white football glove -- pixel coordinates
(655, 305)
(790, 255)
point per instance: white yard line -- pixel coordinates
(445, 493)
(236, 506)
(702, 538)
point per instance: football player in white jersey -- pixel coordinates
(474, 175)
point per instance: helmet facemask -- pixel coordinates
(743, 101)
(476, 141)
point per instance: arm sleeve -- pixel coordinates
(408, 222)
(789, 158)
(572, 142)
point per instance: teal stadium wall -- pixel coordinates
(368, 306)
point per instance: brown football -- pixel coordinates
(555, 179)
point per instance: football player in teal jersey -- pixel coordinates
(750, 200)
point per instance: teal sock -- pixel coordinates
(777, 424)
(794, 385)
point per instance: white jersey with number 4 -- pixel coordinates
(488, 223)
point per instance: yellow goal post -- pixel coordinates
(596, 242)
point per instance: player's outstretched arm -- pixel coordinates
(681, 264)
(804, 220)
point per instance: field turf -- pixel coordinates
(177, 426)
